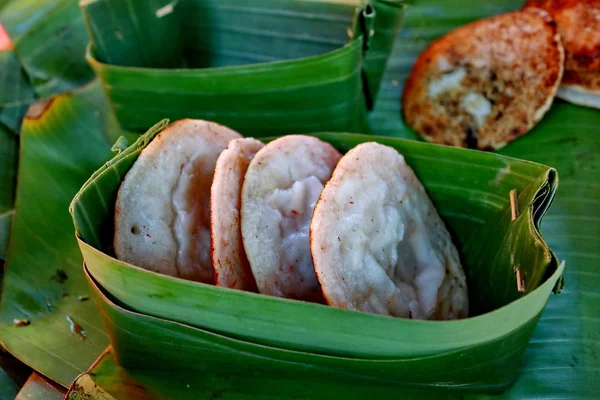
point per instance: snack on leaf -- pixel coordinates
(378, 243)
(578, 22)
(229, 259)
(162, 216)
(281, 188)
(486, 83)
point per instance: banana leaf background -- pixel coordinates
(70, 137)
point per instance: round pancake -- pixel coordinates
(486, 83)
(378, 244)
(579, 26)
(229, 259)
(281, 188)
(162, 216)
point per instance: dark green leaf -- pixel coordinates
(282, 57)
(8, 173)
(50, 39)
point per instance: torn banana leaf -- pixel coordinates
(264, 67)
(470, 190)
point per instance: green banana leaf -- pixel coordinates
(8, 174)
(470, 190)
(16, 94)
(39, 388)
(62, 143)
(49, 38)
(561, 360)
(280, 58)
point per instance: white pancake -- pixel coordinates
(579, 95)
(229, 259)
(379, 245)
(281, 188)
(162, 216)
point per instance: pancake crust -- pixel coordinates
(162, 216)
(579, 26)
(281, 188)
(378, 244)
(486, 83)
(229, 259)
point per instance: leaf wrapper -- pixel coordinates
(264, 67)
(366, 346)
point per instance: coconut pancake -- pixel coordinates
(486, 83)
(579, 26)
(378, 244)
(229, 259)
(280, 190)
(162, 217)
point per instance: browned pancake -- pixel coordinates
(485, 83)
(579, 26)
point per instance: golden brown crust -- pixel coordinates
(486, 83)
(579, 26)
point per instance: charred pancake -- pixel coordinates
(281, 188)
(379, 245)
(162, 216)
(229, 259)
(486, 83)
(579, 26)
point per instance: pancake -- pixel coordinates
(378, 244)
(281, 188)
(231, 267)
(486, 83)
(162, 216)
(579, 26)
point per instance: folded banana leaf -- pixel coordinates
(264, 67)
(275, 374)
(471, 191)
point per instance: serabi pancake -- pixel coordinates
(379, 245)
(486, 83)
(229, 259)
(162, 215)
(281, 187)
(579, 26)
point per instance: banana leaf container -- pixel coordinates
(166, 323)
(265, 67)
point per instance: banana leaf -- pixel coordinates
(16, 94)
(470, 190)
(261, 67)
(49, 39)
(8, 174)
(62, 142)
(560, 361)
